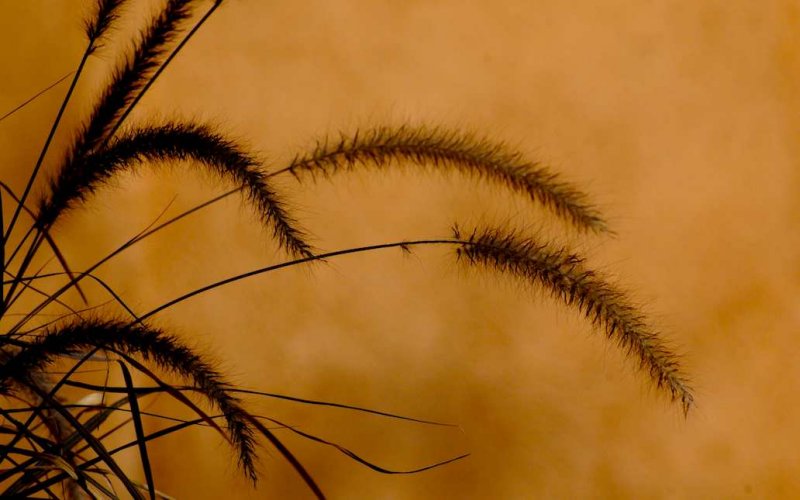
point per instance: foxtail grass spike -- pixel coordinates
(567, 278)
(99, 25)
(161, 144)
(464, 152)
(131, 75)
(152, 344)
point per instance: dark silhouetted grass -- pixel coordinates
(54, 446)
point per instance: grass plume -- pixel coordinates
(151, 344)
(434, 147)
(99, 25)
(131, 75)
(175, 141)
(566, 277)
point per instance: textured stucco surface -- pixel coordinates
(681, 118)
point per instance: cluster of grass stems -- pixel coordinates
(56, 443)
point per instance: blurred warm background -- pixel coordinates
(681, 118)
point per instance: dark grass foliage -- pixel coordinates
(53, 444)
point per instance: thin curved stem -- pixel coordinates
(49, 139)
(296, 262)
(36, 95)
(75, 280)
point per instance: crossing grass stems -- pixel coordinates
(51, 445)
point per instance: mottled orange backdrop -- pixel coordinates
(681, 118)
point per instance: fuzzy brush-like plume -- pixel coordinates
(565, 276)
(99, 25)
(438, 147)
(132, 74)
(150, 344)
(175, 141)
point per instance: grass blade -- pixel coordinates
(35, 96)
(139, 429)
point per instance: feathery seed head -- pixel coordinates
(166, 351)
(566, 277)
(440, 148)
(156, 145)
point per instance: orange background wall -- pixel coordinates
(681, 118)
